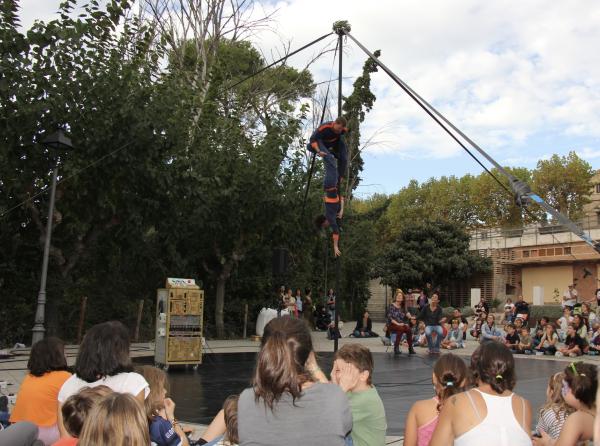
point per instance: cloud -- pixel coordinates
(504, 74)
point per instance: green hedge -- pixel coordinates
(466, 311)
(552, 311)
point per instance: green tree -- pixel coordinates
(431, 251)
(564, 182)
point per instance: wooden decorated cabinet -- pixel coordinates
(179, 311)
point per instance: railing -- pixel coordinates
(530, 230)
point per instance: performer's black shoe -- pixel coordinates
(397, 350)
(411, 351)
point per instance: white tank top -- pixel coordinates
(499, 427)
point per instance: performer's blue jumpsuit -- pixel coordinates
(336, 161)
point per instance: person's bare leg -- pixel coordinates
(216, 428)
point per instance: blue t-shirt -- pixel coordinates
(162, 433)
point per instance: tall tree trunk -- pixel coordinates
(219, 305)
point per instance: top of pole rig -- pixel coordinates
(341, 27)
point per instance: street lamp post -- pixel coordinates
(57, 140)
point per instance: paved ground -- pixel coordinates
(14, 369)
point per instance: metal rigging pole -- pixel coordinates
(340, 27)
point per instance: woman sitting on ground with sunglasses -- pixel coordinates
(579, 391)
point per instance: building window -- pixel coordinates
(534, 253)
(542, 252)
(567, 250)
(525, 253)
(598, 188)
(558, 251)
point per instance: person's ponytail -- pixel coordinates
(280, 362)
(452, 376)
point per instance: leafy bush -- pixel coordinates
(552, 311)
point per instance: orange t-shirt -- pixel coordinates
(37, 400)
(68, 441)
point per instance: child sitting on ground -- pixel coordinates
(594, 347)
(421, 340)
(574, 344)
(554, 413)
(160, 410)
(537, 337)
(353, 372)
(76, 409)
(525, 345)
(454, 338)
(476, 328)
(511, 340)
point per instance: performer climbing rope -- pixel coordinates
(328, 143)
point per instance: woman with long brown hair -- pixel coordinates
(286, 393)
(398, 322)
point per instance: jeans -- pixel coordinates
(331, 163)
(434, 346)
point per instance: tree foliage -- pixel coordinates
(430, 251)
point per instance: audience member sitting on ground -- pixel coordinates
(594, 344)
(22, 433)
(364, 327)
(285, 394)
(230, 410)
(563, 322)
(548, 343)
(491, 410)
(518, 323)
(76, 410)
(521, 309)
(462, 322)
(525, 345)
(450, 376)
(589, 317)
(511, 339)
(37, 397)
(368, 415)
(323, 318)
(508, 310)
(398, 323)
(432, 316)
(580, 326)
(477, 324)
(573, 344)
(454, 338)
(160, 410)
(118, 419)
(554, 413)
(489, 331)
(481, 307)
(103, 359)
(421, 339)
(579, 389)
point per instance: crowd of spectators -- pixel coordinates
(103, 399)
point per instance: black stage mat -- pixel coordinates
(400, 381)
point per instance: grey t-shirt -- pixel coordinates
(320, 417)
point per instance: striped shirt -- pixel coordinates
(550, 422)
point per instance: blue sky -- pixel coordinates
(522, 79)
